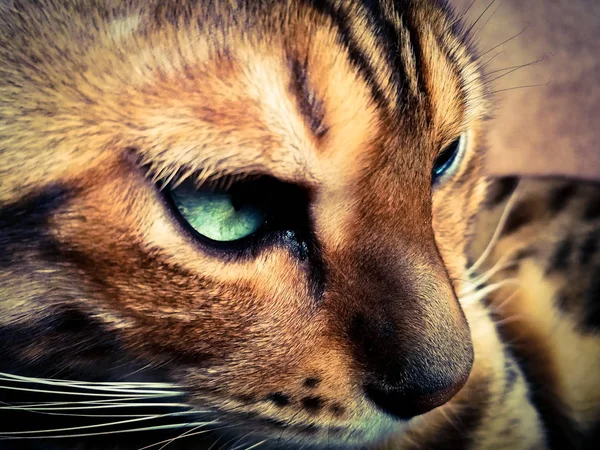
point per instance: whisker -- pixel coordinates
(101, 386)
(234, 446)
(226, 443)
(50, 412)
(90, 394)
(191, 430)
(86, 427)
(482, 27)
(483, 278)
(495, 237)
(490, 59)
(445, 413)
(500, 265)
(213, 444)
(77, 408)
(256, 445)
(97, 416)
(466, 11)
(514, 88)
(287, 422)
(103, 433)
(505, 301)
(478, 295)
(189, 435)
(504, 42)
(479, 18)
(516, 67)
(180, 436)
(78, 402)
(515, 318)
(510, 70)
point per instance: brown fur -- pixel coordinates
(102, 101)
(550, 312)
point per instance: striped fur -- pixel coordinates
(551, 242)
(356, 327)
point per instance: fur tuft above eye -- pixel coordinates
(449, 158)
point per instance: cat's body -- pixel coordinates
(355, 127)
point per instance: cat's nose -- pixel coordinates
(409, 368)
(414, 397)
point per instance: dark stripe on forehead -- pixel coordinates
(388, 35)
(357, 58)
(310, 106)
(416, 51)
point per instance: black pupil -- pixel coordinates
(446, 158)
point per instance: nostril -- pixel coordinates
(406, 403)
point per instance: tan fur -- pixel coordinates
(106, 105)
(546, 313)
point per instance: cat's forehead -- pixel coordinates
(307, 92)
(298, 93)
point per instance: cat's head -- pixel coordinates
(306, 286)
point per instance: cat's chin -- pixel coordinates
(266, 433)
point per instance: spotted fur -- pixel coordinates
(549, 316)
(358, 327)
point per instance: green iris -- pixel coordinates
(217, 215)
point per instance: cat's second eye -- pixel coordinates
(449, 158)
(218, 215)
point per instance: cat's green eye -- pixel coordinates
(217, 215)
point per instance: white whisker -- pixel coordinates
(86, 427)
(182, 435)
(101, 406)
(256, 445)
(214, 443)
(189, 435)
(185, 433)
(131, 430)
(505, 301)
(77, 402)
(445, 413)
(478, 295)
(51, 412)
(495, 237)
(234, 446)
(96, 416)
(482, 278)
(515, 318)
(164, 394)
(136, 388)
(108, 383)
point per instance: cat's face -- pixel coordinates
(332, 314)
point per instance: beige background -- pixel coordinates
(555, 127)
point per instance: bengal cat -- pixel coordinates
(245, 224)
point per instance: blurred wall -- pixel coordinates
(555, 127)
